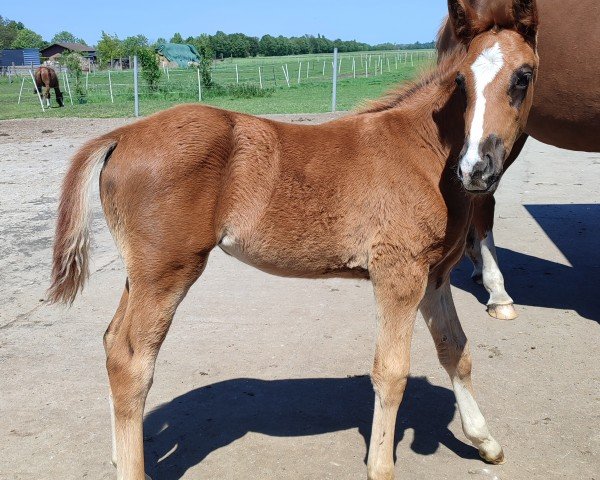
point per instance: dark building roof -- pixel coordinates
(74, 47)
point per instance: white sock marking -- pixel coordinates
(493, 280)
(485, 69)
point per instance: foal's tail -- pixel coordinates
(72, 240)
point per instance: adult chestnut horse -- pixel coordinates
(384, 194)
(565, 113)
(45, 79)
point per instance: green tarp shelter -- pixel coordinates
(181, 54)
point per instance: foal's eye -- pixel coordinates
(460, 81)
(523, 80)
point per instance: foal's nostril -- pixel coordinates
(488, 162)
(460, 172)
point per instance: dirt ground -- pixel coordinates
(265, 378)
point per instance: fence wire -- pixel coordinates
(181, 85)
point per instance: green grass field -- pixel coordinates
(309, 90)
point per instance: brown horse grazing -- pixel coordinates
(45, 79)
(565, 113)
(385, 194)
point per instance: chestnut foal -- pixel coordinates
(385, 194)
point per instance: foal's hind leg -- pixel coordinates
(109, 337)
(438, 310)
(398, 296)
(157, 284)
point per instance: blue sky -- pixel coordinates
(401, 21)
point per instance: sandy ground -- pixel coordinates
(265, 378)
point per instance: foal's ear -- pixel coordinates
(462, 18)
(525, 14)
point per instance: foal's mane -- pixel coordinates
(442, 74)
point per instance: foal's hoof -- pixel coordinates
(114, 463)
(502, 312)
(380, 473)
(494, 459)
(388, 475)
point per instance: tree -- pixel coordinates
(202, 44)
(220, 43)
(177, 38)
(150, 69)
(8, 31)
(132, 45)
(72, 61)
(109, 48)
(27, 39)
(66, 37)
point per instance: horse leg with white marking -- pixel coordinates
(47, 95)
(450, 341)
(482, 250)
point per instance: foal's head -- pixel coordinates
(496, 77)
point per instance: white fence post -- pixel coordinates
(260, 78)
(68, 86)
(37, 90)
(287, 80)
(299, 71)
(200, 85)
(237, 74)
(334, 95)
(112, 100)
(136, 100)
(21, 91)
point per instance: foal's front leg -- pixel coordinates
(438, 310)
(398, 296)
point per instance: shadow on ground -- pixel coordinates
(575, 230)
(187, 429)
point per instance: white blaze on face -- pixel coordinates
(484, 69)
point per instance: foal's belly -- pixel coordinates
(289, 258)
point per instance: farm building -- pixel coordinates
(20, 57)
(60, 48)
(177, 55)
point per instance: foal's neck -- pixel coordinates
(433, 112)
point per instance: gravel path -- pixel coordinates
(264, 377)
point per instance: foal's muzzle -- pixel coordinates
(480, 171)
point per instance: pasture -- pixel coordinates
(265, 377)
(361, 76)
